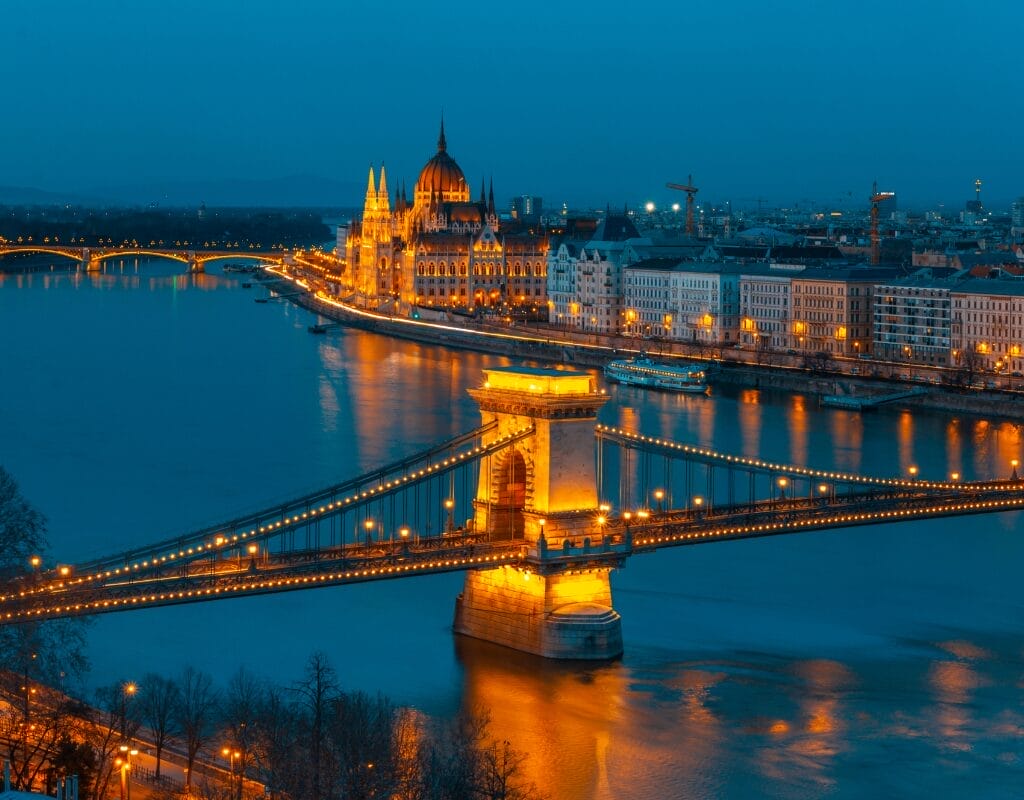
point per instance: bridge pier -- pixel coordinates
(195, 266)
(543, 489)
(565, 615)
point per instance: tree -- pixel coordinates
(240, 710)
(158, 698)
(196, 707)
(33, 655)
(317, 691)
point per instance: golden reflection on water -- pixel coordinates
(806, 746)
(798, 429)
(847, 440)
(750, 412)
(905, 441)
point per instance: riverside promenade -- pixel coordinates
(734, 366)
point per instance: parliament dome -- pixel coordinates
(442, 175)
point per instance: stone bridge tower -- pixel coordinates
(541, 490)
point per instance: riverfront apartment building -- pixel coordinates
(692, 301)
(832, 308)
(766, 306)
(988, 325)
(912, 321)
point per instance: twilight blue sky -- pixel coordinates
(790, 100)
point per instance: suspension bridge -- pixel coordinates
(537, 506)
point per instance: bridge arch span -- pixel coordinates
(74, 255)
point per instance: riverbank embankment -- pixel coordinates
(551, 345)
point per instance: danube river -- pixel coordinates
(874, 662)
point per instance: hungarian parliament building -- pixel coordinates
(442, 249)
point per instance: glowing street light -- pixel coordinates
(659, 495)
(449, 505)
(1014, 463)
(783, 483)
(912, 469)
(369, 526)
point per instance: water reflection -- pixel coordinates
(749, 411)
(738, 680)
(798, 429)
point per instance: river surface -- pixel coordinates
(885, 661)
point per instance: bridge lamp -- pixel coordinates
(369, 525)
(659, 495)
(604, 508)
(698, 502)
(1014, 463)
(449, 505)
(35, 562)
(642, 515)
(912, 470)
(783, 483)
(954, 476)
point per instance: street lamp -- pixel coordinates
(912, 469)
(368, 525)
(1014, 463)
(233, 757)
(954, 476)
(783, 483)
(124, 762)
(128, 689)
(449, 505)
(659, 495)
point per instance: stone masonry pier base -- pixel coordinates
(568, 615)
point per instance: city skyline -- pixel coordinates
(794, 105)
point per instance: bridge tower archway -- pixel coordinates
(540, 489)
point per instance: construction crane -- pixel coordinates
(876, 198)
(690, 190)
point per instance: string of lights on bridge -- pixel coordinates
(788, 469)
(507, 558)
(257, 533)
(839, 520)
(264, 585)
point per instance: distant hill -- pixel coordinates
(291, 191)
(29, 196)
(296, 190)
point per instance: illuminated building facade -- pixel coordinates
(912, 321)
(988, 324)
(442, 248)
(685, 301)
(832, 308)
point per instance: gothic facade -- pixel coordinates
(442, 249)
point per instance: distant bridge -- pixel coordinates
(91, 258)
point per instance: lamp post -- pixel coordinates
(233, 757)
(449, 506)
(1014, 463)
(783, 483)
(659, 495)
(124, 762)
(403, 535)
(698, 505)
(368, 525)
(128, 689)
(912, 469)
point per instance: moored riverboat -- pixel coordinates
(681, 377)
